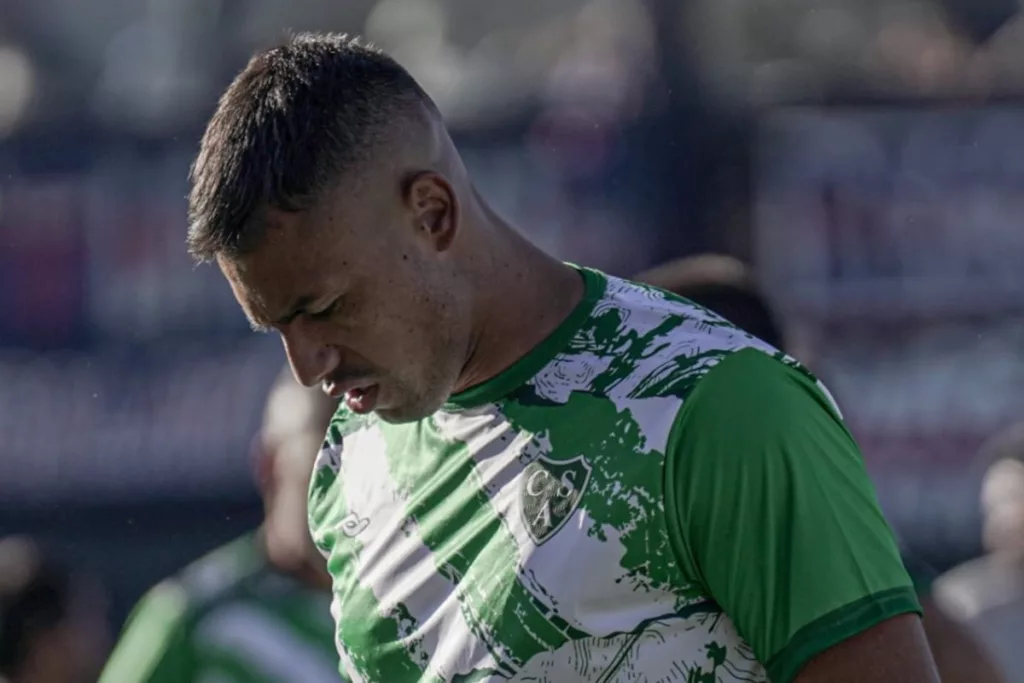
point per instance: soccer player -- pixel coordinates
(53, 623)
(538, 472)
(256, 610)
(724, 285)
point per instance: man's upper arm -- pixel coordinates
(771, 509)
(154, 645)
(894, 651)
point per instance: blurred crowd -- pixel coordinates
(863, 158)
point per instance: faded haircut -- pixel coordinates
(291, 124)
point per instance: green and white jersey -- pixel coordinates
(648, 495)
(228, 618)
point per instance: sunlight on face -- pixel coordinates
(362, 294)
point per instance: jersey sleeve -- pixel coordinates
(155, 644)
(771, 509)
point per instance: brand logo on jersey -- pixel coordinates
(550, 492)
(353, 525)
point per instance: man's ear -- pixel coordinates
(434, 208)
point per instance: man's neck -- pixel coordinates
(524, 295)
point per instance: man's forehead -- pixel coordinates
(304, 255)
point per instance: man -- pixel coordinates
(256, 610)
(538, 472)
(988, 593)
(53, 624)
(724, 285)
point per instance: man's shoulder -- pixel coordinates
(644, 342)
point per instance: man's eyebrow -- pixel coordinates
(295, 310)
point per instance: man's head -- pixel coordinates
(724, 286)
(295, 420)
(53, 627)
(1002, 491)
(332, 198)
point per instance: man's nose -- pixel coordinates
(311, 359)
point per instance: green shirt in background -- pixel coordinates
(649, 494)
(227, 618)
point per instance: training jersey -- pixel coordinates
(650, 494)
(228, 618)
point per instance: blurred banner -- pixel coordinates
(42, 260)
(132, 424)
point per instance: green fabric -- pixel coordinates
(229, 618)
(771, 507)
(154, 647)
(529, 365)
(609, 508)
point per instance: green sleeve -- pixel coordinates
(155, 645)
(771, 509)
(921, 574)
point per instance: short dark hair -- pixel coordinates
(724, 286)
(35, 595)
(291, 123)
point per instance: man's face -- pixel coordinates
(365, 295)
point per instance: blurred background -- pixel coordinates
(865, 156)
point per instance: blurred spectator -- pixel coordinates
(52, 623)
(988, 593)
(256, 610)
(725, 286)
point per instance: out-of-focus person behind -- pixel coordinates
(723, 285)
(987, 593)
(256, 610)
(727, 287)
(53, 626)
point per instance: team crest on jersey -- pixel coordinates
(550, 491)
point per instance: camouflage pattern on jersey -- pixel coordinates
(520, 534)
